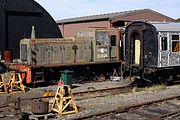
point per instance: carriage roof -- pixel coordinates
(168, 27)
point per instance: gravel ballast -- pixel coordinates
(109, 103)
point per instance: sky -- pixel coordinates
(62, 9)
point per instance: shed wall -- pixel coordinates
(73, 28)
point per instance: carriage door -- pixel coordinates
(135, 48)
(164, 50)
(137, 52)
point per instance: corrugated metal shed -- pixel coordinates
(17, 18)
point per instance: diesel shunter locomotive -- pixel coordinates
(93, 52)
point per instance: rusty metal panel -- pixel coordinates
(69, 54)
(102, 39)
(41, 54)
(83, 50)
(102, 53)
(61, 54)
(114, 54)
(56, 54)
(89, 51)
(48, 51)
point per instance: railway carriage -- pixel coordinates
(152, 50)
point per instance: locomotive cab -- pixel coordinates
(105, 43)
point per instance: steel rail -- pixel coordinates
(92, 93)
(126, 108)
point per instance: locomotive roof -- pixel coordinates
(167, 26)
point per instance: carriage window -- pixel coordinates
(164, 43)
(175, 37)
(113, 40)
(175, 43)
(175, 46)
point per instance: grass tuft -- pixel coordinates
(151, 88)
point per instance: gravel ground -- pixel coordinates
(79, 87)
(99, 105)
(36, 92)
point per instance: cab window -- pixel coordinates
(113, 40)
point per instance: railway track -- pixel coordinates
(168, 108)
(90, 93)
(102, 92)
(135, 110)
(79, 95)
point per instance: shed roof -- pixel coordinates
(107, 16)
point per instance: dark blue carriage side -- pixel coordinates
(146, 34)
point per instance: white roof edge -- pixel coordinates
(167, 26)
